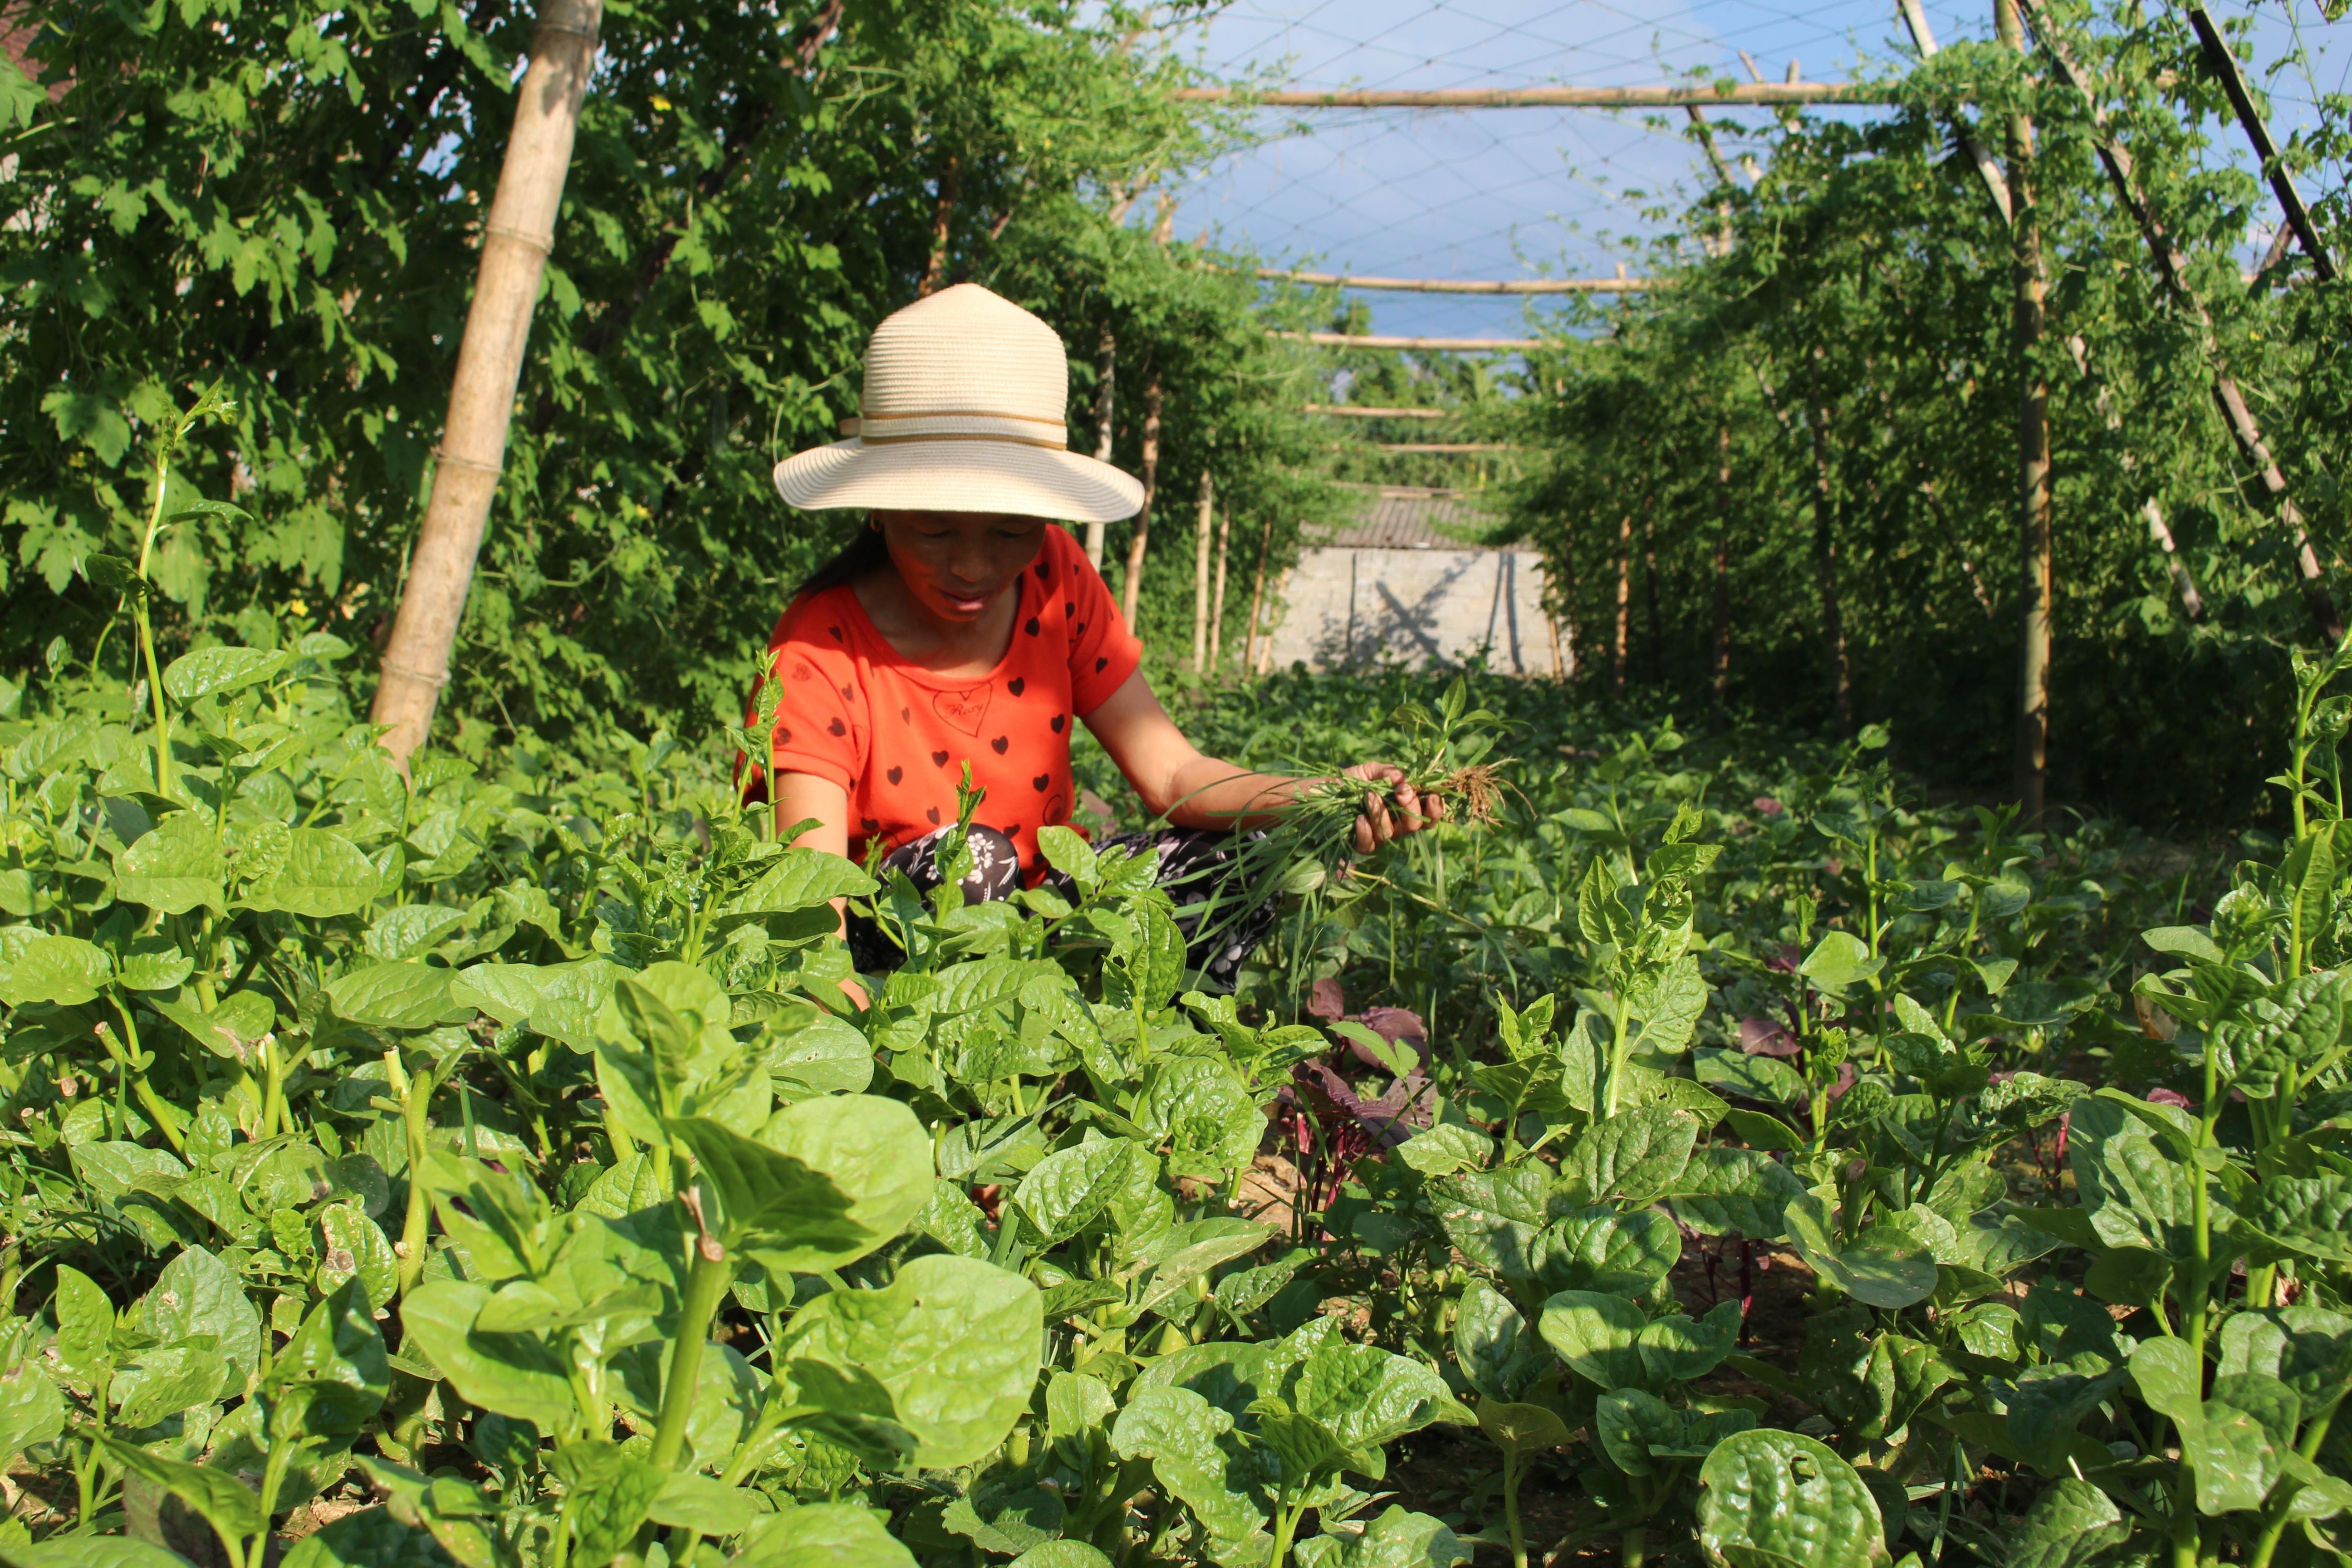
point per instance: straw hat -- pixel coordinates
(965, 392)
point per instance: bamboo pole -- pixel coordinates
(2036, 578)
(1655, 630)
(1217, 608)
(1619, 285)
(1723, 94)
(1201, 551)
(2172, 269)
(2224, 65)
(1141, 538)
(1105, 383)
(935, 270)
(1350, 411)
(1996, 183)
(516, 240)
(1257, 597)
(1433, 345)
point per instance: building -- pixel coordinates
(1409, 582)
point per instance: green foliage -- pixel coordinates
(1826, 403)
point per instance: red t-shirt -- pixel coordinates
(896, 735)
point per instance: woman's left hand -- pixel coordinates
(1378, 824)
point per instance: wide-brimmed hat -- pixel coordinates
(963, 406)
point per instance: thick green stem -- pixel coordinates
(1636, 1547)
(416, 1103)
(705, 1285)
(1511, 1511)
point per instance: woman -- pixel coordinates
(962, 630)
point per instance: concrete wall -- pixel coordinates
(1349, 605)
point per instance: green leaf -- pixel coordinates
(1678, 1349)
(1608, 1250)
(689, 1501)
(2045, 1406)
(1491, 1344)
(175, 867)
(1402, 1538)
(956, 1342)
(514, 1374)
(828, 1181)
(331, 1374)
(1520, 1430)
(800, 879)
(371, 1537)
(1839, 962)
(1494, 1218)
(2239, 1448)
(1630, 1422)
(1736, 1191)
(607, 1494)
(1885, 1266)
(1065, 1191)
(2069, 1524)
(2171, 1379)
(226, 1503)
(32, 1411)
(64, 970)
(1367, 1396)
(821, 1535)
(88, 1552)
(2184, 942)
(395, 996)
(1634, 1156)
(1445, 1149)
(1788, 1495)
(324, 874)
(213, 671)
(1182, 1434)
(1598, 1336)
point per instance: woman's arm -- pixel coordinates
(800, 797)
(1191, 789)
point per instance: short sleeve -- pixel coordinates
(813, 733)
(1102, 651)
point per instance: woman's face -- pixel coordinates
(956, 564)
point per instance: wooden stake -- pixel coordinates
(935, 271)
(2035, 574)
(1106, 382)
(1774, 92)
(1217, 609)
(516, 240)
(1468, 285)
(1431, 345)
(1201, 546)
(2172, 269)
(1141, 538)
(2224, 65)
(1996, 183)
(1257, 597)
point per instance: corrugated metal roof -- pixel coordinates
(1399, 518)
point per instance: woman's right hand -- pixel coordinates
(1378, 825)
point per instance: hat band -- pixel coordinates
(963, 424)
(1062, 446)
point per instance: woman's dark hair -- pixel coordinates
(865, 551)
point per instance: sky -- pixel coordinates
(1523, 192)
